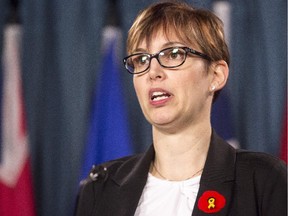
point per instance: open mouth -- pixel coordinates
(157, 96)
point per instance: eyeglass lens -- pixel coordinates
(170, 57)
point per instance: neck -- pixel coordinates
(179, 156)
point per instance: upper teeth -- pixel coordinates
(155, 94)
(159, 96)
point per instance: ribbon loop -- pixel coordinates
(211, 202)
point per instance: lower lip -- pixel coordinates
(160, 102)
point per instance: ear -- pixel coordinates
(219, 71)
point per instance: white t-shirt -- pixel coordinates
(169, 198)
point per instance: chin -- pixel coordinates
(161, 122)
(160, 118)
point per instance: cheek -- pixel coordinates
(187, 82)
(193, 85)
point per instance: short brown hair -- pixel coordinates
(198, 27)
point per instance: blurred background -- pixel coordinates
(67, 102)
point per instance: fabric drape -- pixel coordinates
(258, 74)
(60, 56)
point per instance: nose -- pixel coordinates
(156, 71)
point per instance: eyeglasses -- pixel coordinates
(171, 57)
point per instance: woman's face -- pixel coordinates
(173, 98)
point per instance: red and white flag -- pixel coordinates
(283, 148)
(16, 191)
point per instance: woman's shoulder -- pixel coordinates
(260, 162)
(96, 180)
(261, 180)
(100, 172)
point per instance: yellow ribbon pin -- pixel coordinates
(211, 202)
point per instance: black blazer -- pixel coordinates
(251, 183)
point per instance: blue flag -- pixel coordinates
(108, 135)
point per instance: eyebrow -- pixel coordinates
(165, 45)
(139, 50)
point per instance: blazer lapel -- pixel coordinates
(125, 187)
(217, 178)
(127, 184)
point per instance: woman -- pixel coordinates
(179, 61)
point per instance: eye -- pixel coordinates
(175, 54)
(139, 60)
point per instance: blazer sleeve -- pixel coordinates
(92, 188)
(89, 188)
(85, 199)
(274, 200)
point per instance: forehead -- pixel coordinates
(160, 39)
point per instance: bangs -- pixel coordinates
(169, 21)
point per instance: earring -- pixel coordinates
(213, 87)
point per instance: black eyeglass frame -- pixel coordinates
(156, 55)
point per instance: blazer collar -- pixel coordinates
(219, 166)
(131, 178)
(218, 175)
(136, 168)
(220, 162)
